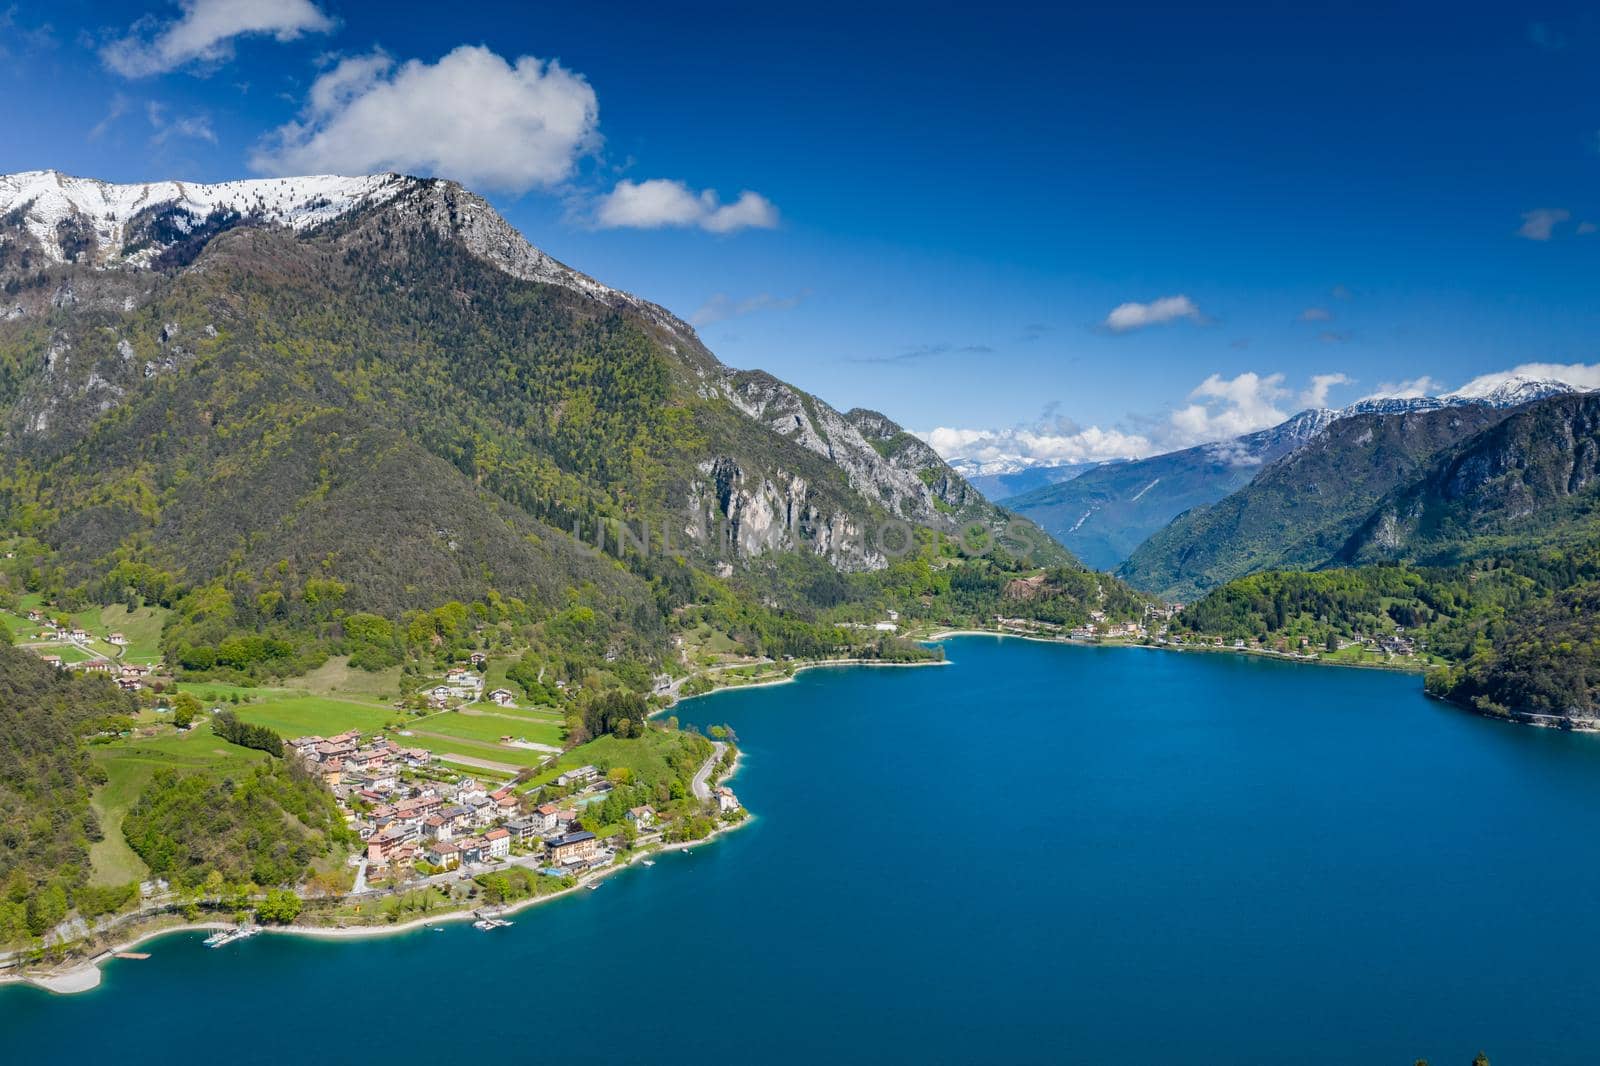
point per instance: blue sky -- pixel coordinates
(937, 212)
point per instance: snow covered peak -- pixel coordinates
(1511, 391)
(65, 213)
(85, 220)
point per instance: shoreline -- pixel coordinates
(946, 634)
(85, 975)
(788, 678)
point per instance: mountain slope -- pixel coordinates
(1299, 511)
(282, 402)
(409, 309)
(1102, 515)
(1531, 480)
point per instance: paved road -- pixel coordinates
(701, 785)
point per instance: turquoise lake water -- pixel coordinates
(1037, 854)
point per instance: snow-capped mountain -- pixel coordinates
(1513, 391)
(73, 217)
(58, 218)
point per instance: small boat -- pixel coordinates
(490, 923)
(228, 936)
(649, 862)
(594, 887)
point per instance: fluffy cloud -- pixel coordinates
(1228, 407)
(1128, 316)
(1586, 228)
(1406, 390)
(1540, 224)
(1578, 375)
(1219, 409)
(206, 31)
(659, 203)
(1037, 445)
(1316, 394)
(1315, 314)
(471, 116)
(721, 306)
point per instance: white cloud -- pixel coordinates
(1540, 224)
(1315, 314)
(1128, 316)
(1409, 389)
(120, 106)
(1221, 409)
(1586, 228)
(206, 31)
(660, 202)
(472, 116)
(1579, 375)
(1036, 446)
(1316, 394)
(197, 127)
(721, 306)
(1228, 407)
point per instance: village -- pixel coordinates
(418, 822)
(1395, 647)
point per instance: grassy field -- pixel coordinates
(489, 727)
(295, 714)
(21, 629)
(446, 746)
(142, 627)
(646, 756)
(336, 677)
(129, 765)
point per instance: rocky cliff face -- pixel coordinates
(1524, 474)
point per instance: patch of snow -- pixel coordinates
(51, 198)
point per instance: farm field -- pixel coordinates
(446, 746)
(142, 627)
(294, 714)
(490, 726)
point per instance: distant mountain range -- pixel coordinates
(1299, 510)
(1001, 481)
(1103, 514)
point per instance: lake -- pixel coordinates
(1039, 853)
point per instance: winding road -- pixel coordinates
(701, 785)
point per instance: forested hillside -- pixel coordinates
(46, 776)
(1300, 510)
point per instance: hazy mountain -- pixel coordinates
(1301, 509)
(1102, 515)
(1003, 481)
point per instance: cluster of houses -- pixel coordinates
(130, 677)
(1098, 626)
(448, 826)
(464, 684)
(460, 685)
